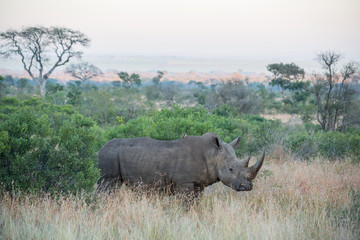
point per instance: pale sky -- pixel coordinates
(254, 29)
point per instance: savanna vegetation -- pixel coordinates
(309, 187)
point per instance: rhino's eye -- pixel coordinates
(231, 169)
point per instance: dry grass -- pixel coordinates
(291, 119)
(290, 200)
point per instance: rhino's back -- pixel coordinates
(148, 160)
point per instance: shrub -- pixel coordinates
(256, 132)
(355, 147)
(37, 157)
(302, 144)
(333, 145)
(238, 96)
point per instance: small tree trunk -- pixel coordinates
(42, 88)
(41, 82)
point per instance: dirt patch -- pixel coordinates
(284, 118)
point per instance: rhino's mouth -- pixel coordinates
(244, 188)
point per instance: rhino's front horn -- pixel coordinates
(253, 170)
(245, 163)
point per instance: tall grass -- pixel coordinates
(290, 200)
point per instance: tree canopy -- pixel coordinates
(284, 73)
(42, 50)
(83, 71)
(129, 81)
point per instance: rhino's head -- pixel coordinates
(233, 172)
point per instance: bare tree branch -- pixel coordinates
(332, 92)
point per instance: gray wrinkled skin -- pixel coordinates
(187, 165)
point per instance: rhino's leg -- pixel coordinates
(108, 184)
(109, 171)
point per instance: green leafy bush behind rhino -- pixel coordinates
(36, 155)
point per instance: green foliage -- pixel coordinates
(52, 88)
(201, 97)
(302, 144)
(164, 125)
(74, 94)
(224, 110)
(22, 84)
(287, 77)
(9, 80)
(284, 73)
(116, 84)
(171, 124)
(129, 81)
(354, 140)
(152, 92)
(309, 141)
(40, 155)
(307, 112)
(99, 106)
(2, 86)
(10, 101)
(157, 78)
(7, 106)
(336, 145)
(267, 97)
(55, 93)
(238, 96)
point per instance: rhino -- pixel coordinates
(185, 166)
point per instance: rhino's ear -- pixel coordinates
(216, 141)
(235, 143)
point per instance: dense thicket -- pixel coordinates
(48, 148)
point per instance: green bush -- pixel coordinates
(37, 157)
(355, 147)
(256, 132)
(302, 144)
(333, 145)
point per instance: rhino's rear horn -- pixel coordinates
(245, 163)
(235, 144)
(253, 170)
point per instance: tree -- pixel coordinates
(83, 71)
(284, 74)
(169, 92)
(129, 80)
(152, 92)
(333, 92)
(290, 77)
(42, 50)
(74, 94)
(2, 86)
(157, 78)
(9, 80)
(116, 84)
(22, 84)
(52, 88)
(237, 95)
